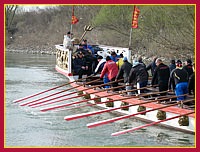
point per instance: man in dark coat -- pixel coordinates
(79, 65)
(178, 81)
(188, 67)
(152, 66)
(172, 65)
(124, 70)
(161, 74)
(191, 83)
(138, 74)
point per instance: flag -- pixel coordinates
(74, 18)
(136, 13)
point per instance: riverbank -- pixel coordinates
(32, 50)
(50, 50)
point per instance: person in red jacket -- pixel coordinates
(111, 69)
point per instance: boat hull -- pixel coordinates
(63, 66)
(148, 117)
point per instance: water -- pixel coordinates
(26, 127)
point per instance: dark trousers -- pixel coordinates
(163, 87)
(143, 84)
(81, 72)
(114, 84)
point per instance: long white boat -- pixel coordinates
(169, 115)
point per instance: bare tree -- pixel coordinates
(10, 11)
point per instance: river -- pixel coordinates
(27, 74)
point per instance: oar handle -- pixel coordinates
(147, 94)
(108, 83)
(170, 97)
(139, 88)
(81, 79)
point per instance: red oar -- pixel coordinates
(82, 115)
(36, 94)
(147, 125)
(39, 93)
(43, 103)
(140, 88)
(103, 122)
(77, 102)
(92, 104)
(87, 105)
(72, 103)
(33, 101)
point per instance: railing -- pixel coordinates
(64, 56)
(125, 51)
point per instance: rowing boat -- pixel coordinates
(171, 116)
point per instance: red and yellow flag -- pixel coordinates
(136, 13)
(74, 18)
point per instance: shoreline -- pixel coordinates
(48, 51)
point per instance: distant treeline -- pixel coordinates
(161, 28)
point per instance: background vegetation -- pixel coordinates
(162, 28)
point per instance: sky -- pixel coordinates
(33, 7)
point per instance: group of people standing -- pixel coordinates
(176, 77)
(83, 59)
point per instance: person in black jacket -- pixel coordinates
(152, 66)
(124, 73)
(178, 81)
(124, 70)
(172, 65)
(89, 59)
(138, 74)
(161, 74)
(191, 83)
(79, 65)
(141, 61)
(188, 67)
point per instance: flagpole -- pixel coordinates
(136, 12)
(71, 29)
(130, 38)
